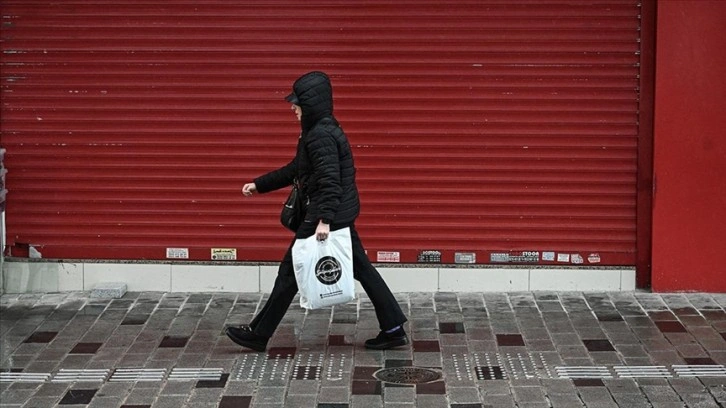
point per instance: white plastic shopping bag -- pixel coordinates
(324, 270)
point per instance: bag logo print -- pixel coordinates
(328, 270)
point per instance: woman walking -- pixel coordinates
(324, 169)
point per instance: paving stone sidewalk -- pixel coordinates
(467, 350)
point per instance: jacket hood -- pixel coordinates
(314, 93)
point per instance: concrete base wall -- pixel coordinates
(63, 276)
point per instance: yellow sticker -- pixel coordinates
(224, 254)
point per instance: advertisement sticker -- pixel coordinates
(224, 254)
(498, 257)
(177, 253)
(385, 256)
(465, 257)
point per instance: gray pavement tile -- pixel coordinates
(113, 389)
(177, 388)
(170, 401)
(398, 394)
(533, 405)
(718, 393)
(270, 395)
(503, 401)
(141, 396)
(367, 401)
(700, 401)
(631, 400)
(104, 402)
(25, 386)
(332, 395)
(595, 395)
(660, 393)
(41, 366)
(558, 386)
(205, 396)
(296, 401)
(494, 387)
(564, 400)
(16, 396)
(531, 394)
(463, 395)
(48, 389)
(39, 402)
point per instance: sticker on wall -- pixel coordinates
(593, 258)
(224, 254)
(498, 257)
(524, 256)
(387, 256)
(514, 257)
(548, 256)
(465, 257)
(429, 256)
(177, 253)
(563, 257)
(577, 259)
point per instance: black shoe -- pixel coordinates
(384, 340)
(246, 338)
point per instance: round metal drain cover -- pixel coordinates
(407, 375)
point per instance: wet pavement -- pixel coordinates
(566, 349)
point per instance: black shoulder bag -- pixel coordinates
(293, 212)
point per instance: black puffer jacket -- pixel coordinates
(324, 161)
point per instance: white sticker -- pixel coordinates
(563, 257)
(465, 257)
(224, 254)
(498, 257)
(593, 258)
(548, 256)
(177, 253)
(577, 259)
(389, 256)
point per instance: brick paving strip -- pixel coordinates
(542, 349)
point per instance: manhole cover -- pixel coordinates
(407, 375)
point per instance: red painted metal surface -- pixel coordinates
(478, 126)
(690, 148)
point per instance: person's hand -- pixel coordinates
(248, 189)
(322, 232)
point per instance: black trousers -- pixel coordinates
(388, 311)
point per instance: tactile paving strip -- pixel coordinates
(511, 365)
(138, 374)
(336, 367)
(583, 372)
(24, 377)
(249, 367)
(308, 366)
(642, 372)
(489, 366)
(87, 375)
(304, 366)
(462, 367)
(205, 374)
(700, 370)
(520, 366)
(315, 366)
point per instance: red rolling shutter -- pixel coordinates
(478, 126)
